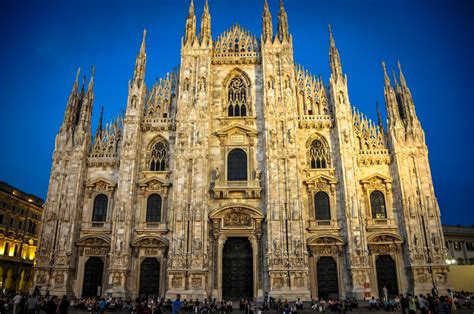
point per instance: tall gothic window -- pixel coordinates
(153, 208)
(318, 155)
(237, 98)
(377, 203)
(159, 157)
(100, 208)
(321, 204)
(237, 165)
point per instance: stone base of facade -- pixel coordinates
(186, 294)
(291, 295)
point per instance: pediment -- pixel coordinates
(328, 239)
(376, 177)
(101, 184)
(153, 183)
(384, 238)
(151, 241)
(237, 129)
(321, 178)
(94, 241)
(242, 210)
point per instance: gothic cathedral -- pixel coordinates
(239, 174)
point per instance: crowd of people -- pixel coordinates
(431, 303)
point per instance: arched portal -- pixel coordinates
(326, 268)
(386, 275)
(93, 273)
(150, 278)
(237, 271)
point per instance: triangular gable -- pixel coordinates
(376, 176)
(237, 128)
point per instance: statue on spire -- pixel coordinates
(267, 24)
(283, 31)
(205, 35)
(190, 32)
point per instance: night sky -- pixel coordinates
(44, 42)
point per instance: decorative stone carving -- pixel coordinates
(176, 282)
(237, 218)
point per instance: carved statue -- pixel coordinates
(258, 173)
(217, 173)
(118, 246)
(120, 213)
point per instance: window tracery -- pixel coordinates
(318, 155)
(237, 104)
(159, 157)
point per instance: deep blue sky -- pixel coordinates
(43, 43)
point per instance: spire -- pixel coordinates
(283, 31)
(393, 113)
(190, 32)
(98, 132)
(385, 76)
(379, 116)
(90, 87)
(205, 35)
(334, 59)
(267, 24)
(140, 63)
(403, 82)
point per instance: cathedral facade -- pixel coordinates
(239, 174)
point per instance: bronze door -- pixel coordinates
(150, 277)
(237, 269)
(386, 275)
(94, 269)
(327, 278)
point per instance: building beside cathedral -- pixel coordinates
(20, 222)
(239, 174)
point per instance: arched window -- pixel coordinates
(159, 157)
(321, 204)
(237, 165)
(237, 98)
(153, 208)
(100, 208)
(377, 203)
(318, 155)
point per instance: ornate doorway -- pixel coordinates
(150, 277)
(327, 277)
(386, 275)
(93, 273)
(237, 270)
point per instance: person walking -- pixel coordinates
(411, 304)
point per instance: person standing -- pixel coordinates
(51, 305)
(16, 302)
(32, 304)
(411, 304)
(64, 305)
(385, 294)
(177, 304)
